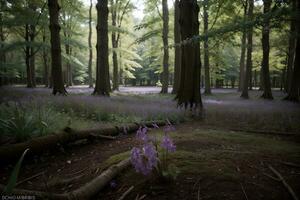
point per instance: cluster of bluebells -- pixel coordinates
(145, 159)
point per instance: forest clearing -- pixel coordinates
(150, 99)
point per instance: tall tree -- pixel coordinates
(249, 52)
(58, 84)
(294, 92)
(90, 47)
(243, 50)
(118, 9)
(102, 75)
(165, 74)
(189, 89)
(177, 48)
(2, 39)
(207, 90)
(267, 94)
(292, 48)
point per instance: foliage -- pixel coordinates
(14, 175)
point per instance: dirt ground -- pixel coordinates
(213, 164)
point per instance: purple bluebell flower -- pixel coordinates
(168, 144)
(144, 160)
(141, 134)
(169, 128)
(113, 184)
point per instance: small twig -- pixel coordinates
(142, 197)
(290, 164)
(243, 189)
(126, 193)
(96, 136)
(290, 190)
(29, 178)
(198, 193)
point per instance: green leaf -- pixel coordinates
(14, 175)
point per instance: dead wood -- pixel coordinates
(87, 191)
(41, 144)
(29, 178)
(286, 185)
(126, 193)
(60, 182)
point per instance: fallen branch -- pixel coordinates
(107, 137)
(29, 178)
(286, 185)
(87, 191)
(59, 182)
(126, 193)
(41, 144)
(290, 164)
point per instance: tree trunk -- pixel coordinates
(189, 90)
(27, 58)
(249, 53)
(291, 50)
(243, 53)
(2, 53)
(32, 55)
(115, 46)
(267, 94)
(90, 46)
(45, 61)
(165, 74)
(177, 48)
(207, 90)
(294, 91)
(102, 76)
(69, 78)
(58, 84)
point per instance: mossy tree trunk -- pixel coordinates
(267, 94)
(102, 74)
(165, 74)
(189, 89)
(58, 84)
(114, 46)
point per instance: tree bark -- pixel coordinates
(207, 89)
(267, 94)
(27, 57)
(177, 62)
(90, 47)
(45, 61)
(248, 76)
(102, 76)
(165, 74)
(291, 50)
(58, 84)
(294, 91)
(189, 90)
(32, 55)
(69, 78)
(2, 52)
(115, 46)
(243, 52)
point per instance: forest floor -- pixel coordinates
(225, 156)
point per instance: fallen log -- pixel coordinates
(41, 144)
(87, 191)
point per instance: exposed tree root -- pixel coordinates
(87, 191)
(41, 144)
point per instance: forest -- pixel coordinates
(150, 99)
